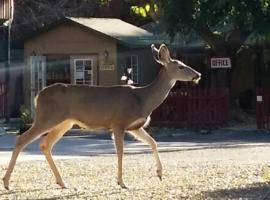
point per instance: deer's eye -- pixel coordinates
(181, 67)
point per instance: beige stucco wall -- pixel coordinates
(75, 41)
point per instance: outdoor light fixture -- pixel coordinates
(106, 55)
(6, 23)
(33, 53)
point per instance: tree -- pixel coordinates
(224, 25)
(29, 16)
(32, 15)
(203, 16)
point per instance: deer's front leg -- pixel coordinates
(119, 145)
(143, 136)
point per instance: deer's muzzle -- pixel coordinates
(197, 78)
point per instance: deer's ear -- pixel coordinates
(155, 52)
(164, 54)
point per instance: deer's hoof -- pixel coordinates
(6, 184)
(122, 185)
(62, 184)
(6, 187)
(159, 174)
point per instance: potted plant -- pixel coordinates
(25, 119)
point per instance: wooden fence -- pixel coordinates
(263, 108)
(199, 108)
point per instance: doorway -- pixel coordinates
(38, 77)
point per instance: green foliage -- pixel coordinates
(25, 116)
(144, 10)
(139, 10)
(105, 2)
(196, 14)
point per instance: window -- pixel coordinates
(58, 69)
(83, 71)
(132, 62)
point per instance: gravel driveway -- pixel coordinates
(230, 167)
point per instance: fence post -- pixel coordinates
(259, 102)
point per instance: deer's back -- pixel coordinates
(91, 105)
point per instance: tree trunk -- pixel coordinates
(219, 77)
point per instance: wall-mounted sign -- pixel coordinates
(259, 99)
(221, 63)
(106, 67)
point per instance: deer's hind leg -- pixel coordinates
(39, 127)
(47, 144)
(143, 136)
(119, 146)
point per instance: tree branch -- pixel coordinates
(215, 41)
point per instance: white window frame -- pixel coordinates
(134, 65)
(92, 71)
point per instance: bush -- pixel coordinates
(25, 119)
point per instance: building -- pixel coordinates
(94, 51)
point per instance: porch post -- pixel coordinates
(7, 69)
(7, 28)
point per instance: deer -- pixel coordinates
(120, 109)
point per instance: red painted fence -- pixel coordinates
(200, 108)
(263, 108)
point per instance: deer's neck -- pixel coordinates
(156, 92)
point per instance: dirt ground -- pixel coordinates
(230, 172)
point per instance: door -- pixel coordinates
(57, 69)
(83, 71)
(38, 79)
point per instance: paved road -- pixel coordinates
(81, 144)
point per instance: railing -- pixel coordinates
(263, 108)
(200, 108)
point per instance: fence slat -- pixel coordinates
(202, 108)
(263, 108)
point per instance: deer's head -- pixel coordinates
(176, 70)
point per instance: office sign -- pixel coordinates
(107, 67)
(221, 63)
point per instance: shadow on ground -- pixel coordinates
(258, 191)
(216, 136)
(18, 194)
(85, 143)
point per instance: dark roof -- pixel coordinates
(112, 27)
(125, 33)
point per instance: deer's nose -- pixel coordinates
(198, 76)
